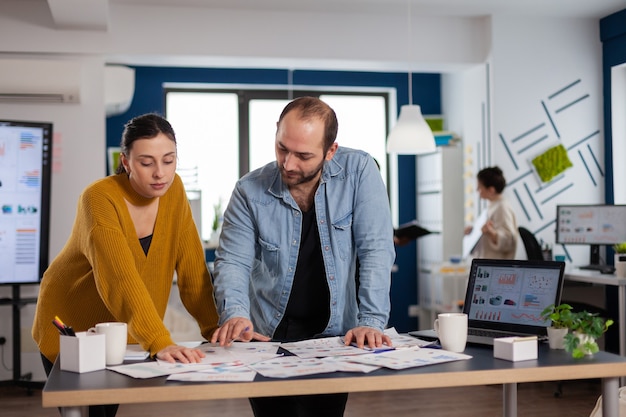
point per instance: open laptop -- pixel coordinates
(506, 297)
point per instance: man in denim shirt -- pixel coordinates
(286, 263)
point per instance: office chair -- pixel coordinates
(533, 249)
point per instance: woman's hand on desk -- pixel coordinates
(182, 354)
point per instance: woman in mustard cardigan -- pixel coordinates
(132, 232)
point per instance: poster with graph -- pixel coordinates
(25, 157)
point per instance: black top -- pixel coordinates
(145, 243)
(310, 298)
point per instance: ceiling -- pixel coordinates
(93, 14)
(581, 8)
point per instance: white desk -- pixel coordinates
(595, 277)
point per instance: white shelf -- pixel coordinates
(439, 200)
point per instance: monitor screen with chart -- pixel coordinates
(593, 225)
(25, 159)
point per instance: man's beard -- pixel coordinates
(301, 178)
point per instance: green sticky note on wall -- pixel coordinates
(551, 163)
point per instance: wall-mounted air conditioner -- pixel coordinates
(119, 89)
(39, 81)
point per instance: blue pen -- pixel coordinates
(247, 329)
(382, 349)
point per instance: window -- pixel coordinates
(224, 133)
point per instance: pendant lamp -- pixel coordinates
(411, 135)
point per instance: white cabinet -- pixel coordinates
(439, 196)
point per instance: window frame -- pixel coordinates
(247, 93)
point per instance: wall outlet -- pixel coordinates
(3, 340)
(414, 310)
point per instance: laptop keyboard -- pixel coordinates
(486, 333)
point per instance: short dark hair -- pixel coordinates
(492, 177)
(311, 108)
(145, 126)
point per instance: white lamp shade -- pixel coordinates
(411, 135)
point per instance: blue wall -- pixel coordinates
(613, 37)
(149, 97)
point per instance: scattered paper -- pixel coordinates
(229, 372)
(409, 358)
(244, 352)
(470, 240)
(321, 348)
(152, 369)
(242, 361)
(288, 366)
(344, 364)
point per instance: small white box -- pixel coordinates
(515, 348)
(83, 352)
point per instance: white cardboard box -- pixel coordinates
(83, 352)
(515, 348)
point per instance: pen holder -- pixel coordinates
(83, 352)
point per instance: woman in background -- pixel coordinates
(132, 232)
(499, 233)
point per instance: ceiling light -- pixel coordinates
(411, 135)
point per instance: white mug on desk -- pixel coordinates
(451, 330)
(115, 341)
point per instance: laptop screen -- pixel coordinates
(509, 295)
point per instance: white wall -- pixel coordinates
(466, 107)
(231, 38)
(547, 75)
(78, 159)
(544, 75)
(618, 107)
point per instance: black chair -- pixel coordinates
(532, 246)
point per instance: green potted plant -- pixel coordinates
(216, 226)
(620, 260)
(585, 328)
(217, 215)
(560, 316)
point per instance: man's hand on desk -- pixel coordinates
(237, 329)
(367, 336)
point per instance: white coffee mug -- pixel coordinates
(451, 330)
(115, 341)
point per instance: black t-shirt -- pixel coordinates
(309, 301)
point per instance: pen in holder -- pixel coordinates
(84, 352)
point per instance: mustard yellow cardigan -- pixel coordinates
(102, 273)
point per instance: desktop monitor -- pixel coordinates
(593, 225)
(25, 158)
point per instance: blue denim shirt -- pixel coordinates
(258, 249)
